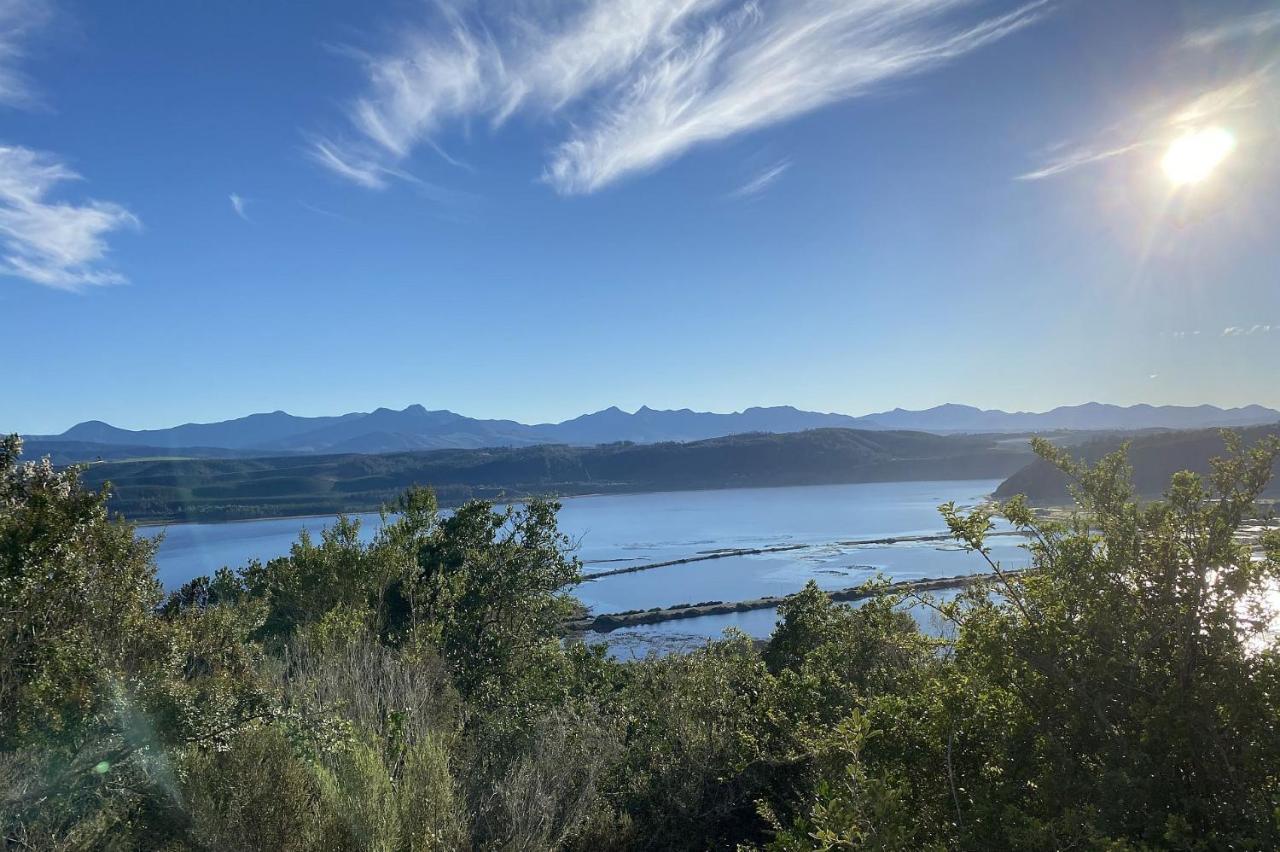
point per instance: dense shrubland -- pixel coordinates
(415, 692)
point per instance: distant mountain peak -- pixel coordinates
(417, 428)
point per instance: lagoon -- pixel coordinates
(623, 530)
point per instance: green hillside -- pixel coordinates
(213, 489)
(1154, 457)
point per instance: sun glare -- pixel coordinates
(1193, 157)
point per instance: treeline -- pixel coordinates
(82, 452)
(1154, 458)
(218, 489)
(416, 693)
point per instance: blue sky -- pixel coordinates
(534, 209)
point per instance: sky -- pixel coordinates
(531, 209)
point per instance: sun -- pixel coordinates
(1193, 157)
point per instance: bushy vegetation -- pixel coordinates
(416, 693)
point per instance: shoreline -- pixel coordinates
(334, 515)
(986, 498)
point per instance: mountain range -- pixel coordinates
(416, 428)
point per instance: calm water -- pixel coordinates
(620, 530)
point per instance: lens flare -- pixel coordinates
(1193, 157)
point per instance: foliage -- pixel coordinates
(1119, 694)
(487, 590)
(413, 690)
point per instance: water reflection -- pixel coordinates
(820, 523)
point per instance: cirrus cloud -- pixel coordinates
(55, 243)
(761, 181)
(1241, 94)
(1249, 330)
(238, 204)
(633, 84)
(18, 19)
(1250, 26)
(59, 244)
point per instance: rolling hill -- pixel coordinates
(215, 489)
(1154, 459)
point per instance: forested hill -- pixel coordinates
(1154, 457)
(214, 489)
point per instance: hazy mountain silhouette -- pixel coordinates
(255, 431)
(1090, 416)
(416, 428)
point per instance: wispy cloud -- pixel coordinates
(635, 83)
(54, 243)
(238, 204)
(18, 19)
(321, 211)
(1249, 26)
(363, 172)
(60, 244)
(1248, 330)
(1158, 124)
(762, 181)
(1074, 158)
(751, 72)
(1242, 93)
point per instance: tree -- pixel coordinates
(489, 590)
(76, 593)
(1138, 693)
(95, 689)
(1120, 693)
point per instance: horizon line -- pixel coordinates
(740, 411)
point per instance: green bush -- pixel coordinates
(415, 692)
